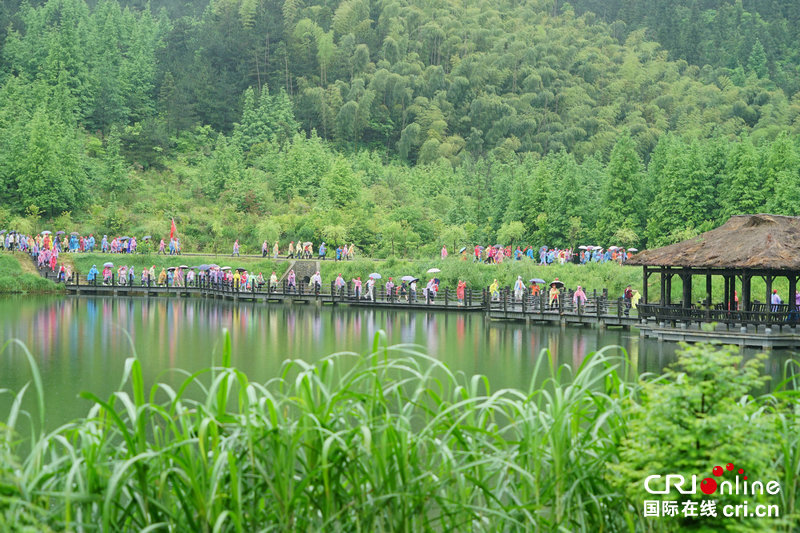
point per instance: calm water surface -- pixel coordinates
(81, 344)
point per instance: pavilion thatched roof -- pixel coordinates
(767, 242)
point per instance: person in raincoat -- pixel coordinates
(190, 278)
(404, 291)
(339, 284)
(315, 283)
(264, 249)
(91, 277)
(290, 255)
(519, 289)
(579, 298)
(494, 290)
(235, 248)
(170, 278)
(131, 276)
(389, 289)
(144, 277)
(162, 247)
(635, 299)
(237, 279)
(322, 251)
(106, 275)
(162, 277)
(444, 252)
(273, 281)
(275, 250)
(460, 289)
(151, 275)
(412, 291)
(291, 280)
(554, 294)
(357, 287)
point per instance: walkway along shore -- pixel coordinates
(770, 332)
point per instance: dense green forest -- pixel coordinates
(398, 125)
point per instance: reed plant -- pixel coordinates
(388, 441)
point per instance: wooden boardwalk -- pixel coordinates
(445, 300)
(597, 310)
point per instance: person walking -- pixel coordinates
(775, 300)
(494, 290)
(235, 248)
(389, 289)
(273, 281)
(519, 289)
(579, 298)
(264, 249)
(627, 297)
(460, 290)
(339, 284)
(357, 287)
(370, 287)
(275, 250)
(290, 255)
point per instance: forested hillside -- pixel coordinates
(398, 124)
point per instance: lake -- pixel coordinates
(81, 344)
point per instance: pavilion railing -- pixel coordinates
(759, 314)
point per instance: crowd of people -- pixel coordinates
(585, 254)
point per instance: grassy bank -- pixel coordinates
(394, 441)
(18, 276)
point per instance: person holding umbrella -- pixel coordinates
(370, 287)
(107, 273)
(554, 293)
(404, 290)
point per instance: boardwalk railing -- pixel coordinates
(759, 314)
(328, 293)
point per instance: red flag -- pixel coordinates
(172, 230)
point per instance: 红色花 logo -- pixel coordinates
(728, 482)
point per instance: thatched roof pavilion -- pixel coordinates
(745, 246)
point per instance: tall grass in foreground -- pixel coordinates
(390, 441)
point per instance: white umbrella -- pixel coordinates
(632, 250)
(375, 275)
(583, 247)
(433, 270)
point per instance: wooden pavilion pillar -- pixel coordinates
(709, 303)
(768, 301)
(686, 278)
(645, 276)
(726, 299)
(745, 303)
(668, 299)
(792, 289)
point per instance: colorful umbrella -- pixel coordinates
(108, 265)
(409, 278)
(375, 275)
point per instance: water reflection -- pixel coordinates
(81, 343)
